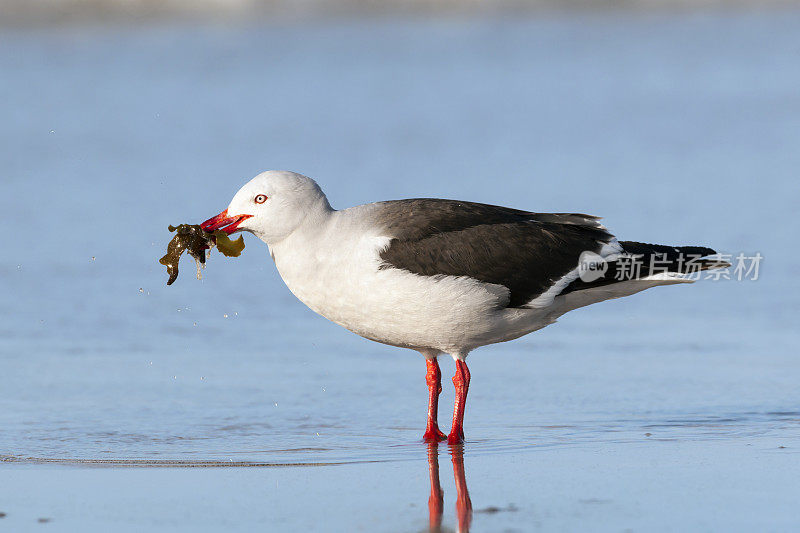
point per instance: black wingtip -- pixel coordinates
(643, 248)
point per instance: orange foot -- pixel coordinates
(433, 434)
(456, 436)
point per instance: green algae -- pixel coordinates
(193, 239)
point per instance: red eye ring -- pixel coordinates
(261, 198)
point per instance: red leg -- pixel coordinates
(436, 499)
(461, 382)
(434, 380)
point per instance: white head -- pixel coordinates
(271, 206)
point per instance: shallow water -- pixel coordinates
(678, 407)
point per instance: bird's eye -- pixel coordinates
(260, 199)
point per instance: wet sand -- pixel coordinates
(658, 486)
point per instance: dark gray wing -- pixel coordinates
(526, 252)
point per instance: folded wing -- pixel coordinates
(534, 255)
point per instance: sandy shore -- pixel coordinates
(169, 463)
(23, 12)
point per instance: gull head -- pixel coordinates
(271, 206)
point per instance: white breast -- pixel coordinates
(335, 270)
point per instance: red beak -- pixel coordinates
(224, 222)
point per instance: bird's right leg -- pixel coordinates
(434, 380)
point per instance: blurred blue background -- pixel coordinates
(678, 127)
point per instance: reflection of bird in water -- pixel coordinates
(443, 276)
(436, 500)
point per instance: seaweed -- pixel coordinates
(228, 247)
(192, 238)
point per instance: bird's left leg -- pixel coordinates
(461, 382)
(433, 378)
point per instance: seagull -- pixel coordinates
(444, 276)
